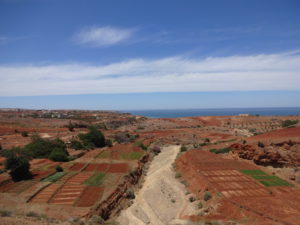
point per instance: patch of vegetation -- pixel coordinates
(59, 168)
(207, 195)
(104, 155)
(18, 166)
(54, 177)
(131, 155)
(95, 180)
(266, 179)
(276, 181)
(288, 123)
(93, 139)
(183, 148)
(253, 172)
(5, 213)
(221, 150)
(77, 145)
(200, 205)
(141, 145)
(32, 214)
(43, 148)
(177, 175)
(192, 199)
(59, 155)
(24, 134)
(130, 193)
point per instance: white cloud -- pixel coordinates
(103, 36)
(174, 74)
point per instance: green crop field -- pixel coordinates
(266, 179)
(104, 155)
(131, 155)
(95, 180)
(54, 177)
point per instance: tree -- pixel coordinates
(18, 166)
(42, 148)
(58, 155)
(94, 138)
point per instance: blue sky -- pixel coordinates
(149, 54)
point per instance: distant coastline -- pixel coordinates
(175, 113)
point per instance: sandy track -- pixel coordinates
(161, 199)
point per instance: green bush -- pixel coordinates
(287, 123)
(42, 148)
(94, 138)
(220, 151)
(24, 134)
(183, 149)
(207, 196)
(77, 145)
(54, 177)
(141, 145)
(59, 168)
(58, 155)
(18, 166)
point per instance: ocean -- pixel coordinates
(174, 113)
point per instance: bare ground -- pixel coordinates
(162, 198)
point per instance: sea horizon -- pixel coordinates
(175, 113)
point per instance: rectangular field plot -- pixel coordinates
(77, 166)
(118, 168)
(79, 178)
(67, 195)
(95, 180)
(90, 196)
(266, 179)
(232, 183)
(44, 195)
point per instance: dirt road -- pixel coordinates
(162, 198)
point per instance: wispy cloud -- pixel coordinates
(174, 74)
(7, 39)
(103, 36)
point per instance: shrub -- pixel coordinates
(42, 148)
(183, 149)
(94, 138)
(71, 126)
(130, 193)
(141, 145)
(18, 166)
(192, 199)
(59, 168)
(32, 214)
(5, 213)
(108, 143)
(77, 145)
(220, 151)
(200, 205)
(288, 123)
(24, 134)
(177, 175)
(260, 144)
(58, 155)
(207, 196)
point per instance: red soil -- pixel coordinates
(292, 133)
(90, 196)
(118, 168)
(242, 195)
(77, 166)
(102, 167)
(91, 167)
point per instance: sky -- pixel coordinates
(138, 54)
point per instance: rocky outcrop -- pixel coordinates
(276, 155)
